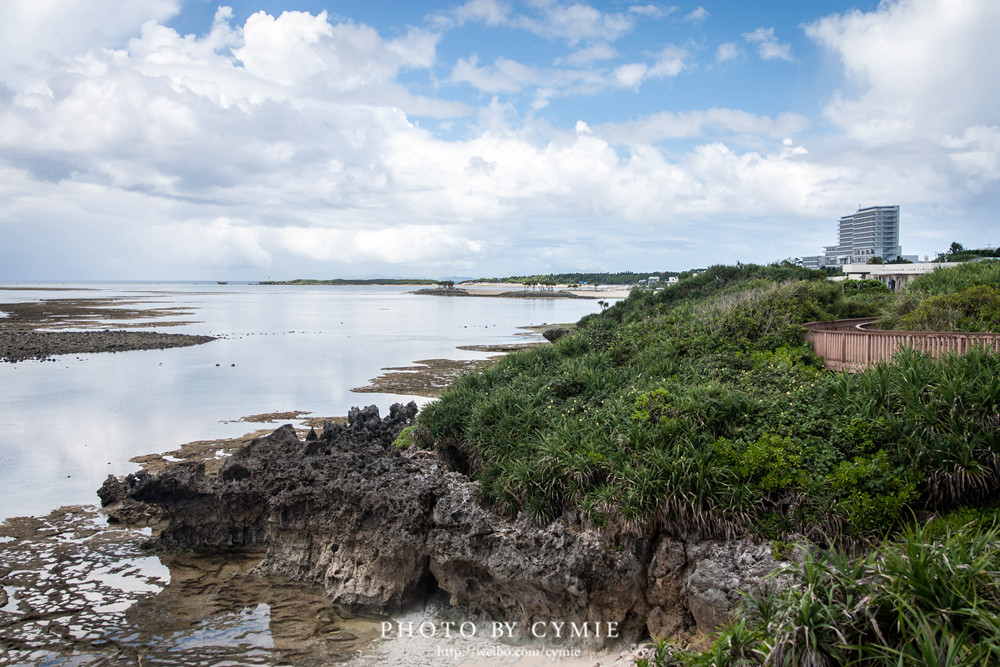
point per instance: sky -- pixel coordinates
(193, 140)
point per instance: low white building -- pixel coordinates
(894, 276)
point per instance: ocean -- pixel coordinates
(76, 591)
(66, 424)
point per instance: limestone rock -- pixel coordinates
(381, 530)
(554, 334)
(692, 585)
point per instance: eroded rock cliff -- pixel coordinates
(380, 529)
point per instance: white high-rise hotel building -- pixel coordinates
(870, 232)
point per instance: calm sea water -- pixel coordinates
(65, 425)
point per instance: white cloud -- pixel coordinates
(291, 141)
(631, 75)
(768, 46)
(503, 76)
(574, 23)
(590, 54)
(698, 15)
(693, 124)
(570, 22)
(922, 68)
(669, 62)
(727, 51)
(298, 47)
(652, 11)
(490, 12)
(976, 156)
(29, 28)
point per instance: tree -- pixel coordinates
(956, 248)
(875, 260)
(446, 284)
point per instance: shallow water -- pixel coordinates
(65, 425)
(76, 592)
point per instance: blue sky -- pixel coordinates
(186, 139)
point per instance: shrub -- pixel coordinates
(975, 308)
(699, 408)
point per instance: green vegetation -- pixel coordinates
(698, 409)
(621, 278)
(962, 298)
(928, 598)
(353, 281)
(958, 253)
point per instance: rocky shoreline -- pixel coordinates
(512, 294)
(18, 346)
(35, 329)
(381, 528)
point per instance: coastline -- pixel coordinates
(518, 291)
(40, 330)
(146, 578)
(149, 593)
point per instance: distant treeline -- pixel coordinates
(621, 278)
(353, 281)
(958, 253)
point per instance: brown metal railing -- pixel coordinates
(849, 345)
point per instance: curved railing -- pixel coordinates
(849, 345)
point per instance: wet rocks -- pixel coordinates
(554, 334)
(23, 345)
(380, 529)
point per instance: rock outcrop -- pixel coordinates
(381, 529)
(555, 333)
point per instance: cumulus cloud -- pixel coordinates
(652, 11)
(768, 46)
(590, 54)
(671, 61)
(293, 139)
(490, 12)
(504, 75)
(727, 51)
(52, 28)
(918, 65)
(697, 16)
(692, 124)
(509, 76)
(574, 23)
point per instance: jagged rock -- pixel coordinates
(111, 491)
(517, 572)
(552, 335)
(122, 508)
(692, 585)
(381, 530)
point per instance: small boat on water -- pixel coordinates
(222, 282)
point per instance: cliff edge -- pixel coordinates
(381, 528)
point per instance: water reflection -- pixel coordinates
(76, 592)
(65, 425)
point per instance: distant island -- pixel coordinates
(354, 281)
(620, 278)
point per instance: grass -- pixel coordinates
(961, 298)
(698, 410)
(925, 598)
(704, 412)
